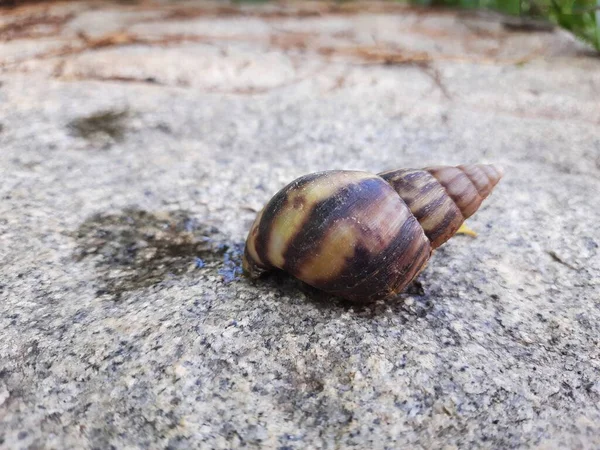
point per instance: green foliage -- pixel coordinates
(581, 17)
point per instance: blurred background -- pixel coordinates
(580, 17)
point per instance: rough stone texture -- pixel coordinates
(137, 143)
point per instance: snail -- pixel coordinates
(361, 236)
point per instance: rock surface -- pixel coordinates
(138, 142)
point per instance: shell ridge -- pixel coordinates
(422, 263)
(390, 183)
(448, 194)
(472, 182)
(413, 186)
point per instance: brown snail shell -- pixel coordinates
(363, 236)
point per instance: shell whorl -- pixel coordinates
(344, 232)
(442, 197)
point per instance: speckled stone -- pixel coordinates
(131, 173)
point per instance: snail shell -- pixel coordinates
(363, 236)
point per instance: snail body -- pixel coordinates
(363, 236)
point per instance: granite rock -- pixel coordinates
(138, 142)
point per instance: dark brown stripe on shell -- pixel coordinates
(403, 176)
(459, 187)
(338, 206)
(403, 261)
(451, 222)
(407, 183)
(275, 205)
(364, 264)
(470, 198)
(479, 179)
(407, 187)
(438, 202)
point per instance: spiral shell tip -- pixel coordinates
(498, 169)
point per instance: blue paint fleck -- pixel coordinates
(232, 259)
(199, 262)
